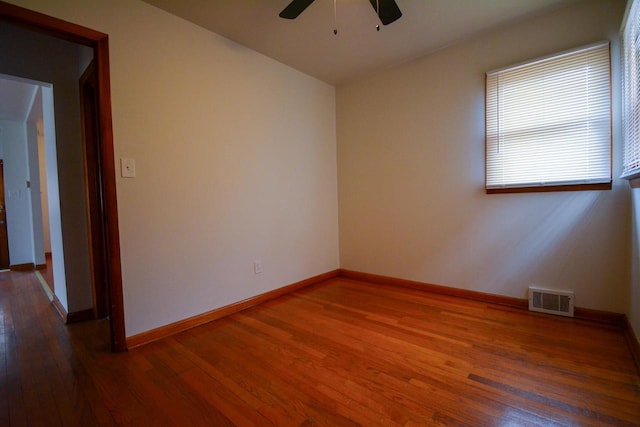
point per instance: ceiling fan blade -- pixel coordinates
(389, 10)
(295, 8)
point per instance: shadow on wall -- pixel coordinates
(560, 248)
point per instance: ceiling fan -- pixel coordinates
(387, 10)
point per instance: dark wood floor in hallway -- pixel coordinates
(339, 353)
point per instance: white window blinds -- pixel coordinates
(631, 91)
(549, 121)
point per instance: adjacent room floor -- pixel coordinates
(338, 353)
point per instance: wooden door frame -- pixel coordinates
(100, 44)
(98, 259)
(5, 226)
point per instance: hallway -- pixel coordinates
(42, 381)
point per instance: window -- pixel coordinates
(631, 91)
(549, 123)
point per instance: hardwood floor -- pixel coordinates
(339, 353)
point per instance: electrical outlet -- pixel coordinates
(257, 266)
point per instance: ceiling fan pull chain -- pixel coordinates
(335, 17)
(378, 10)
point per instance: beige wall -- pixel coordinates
(411, 176)
(236, 161)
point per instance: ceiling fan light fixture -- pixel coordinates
(387, 10)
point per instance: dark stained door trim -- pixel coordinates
(100, 44)
(4, 237)
(98, 260)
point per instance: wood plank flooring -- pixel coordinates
(341, 353)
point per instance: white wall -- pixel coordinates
(34, 139)
(35, 201)
(72, 292)
(411, 176)
(236, 161)
(33, 193)
(17, 195)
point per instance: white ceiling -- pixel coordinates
(309, 45)
(16, 98)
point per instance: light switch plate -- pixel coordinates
(257, 266)
(128, 168)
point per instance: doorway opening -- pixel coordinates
(30, 182)
(101, 188)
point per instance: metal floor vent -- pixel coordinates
(551, 301)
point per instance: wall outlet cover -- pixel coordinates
(128, 168)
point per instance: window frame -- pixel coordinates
(525, 187)
(631, 173)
